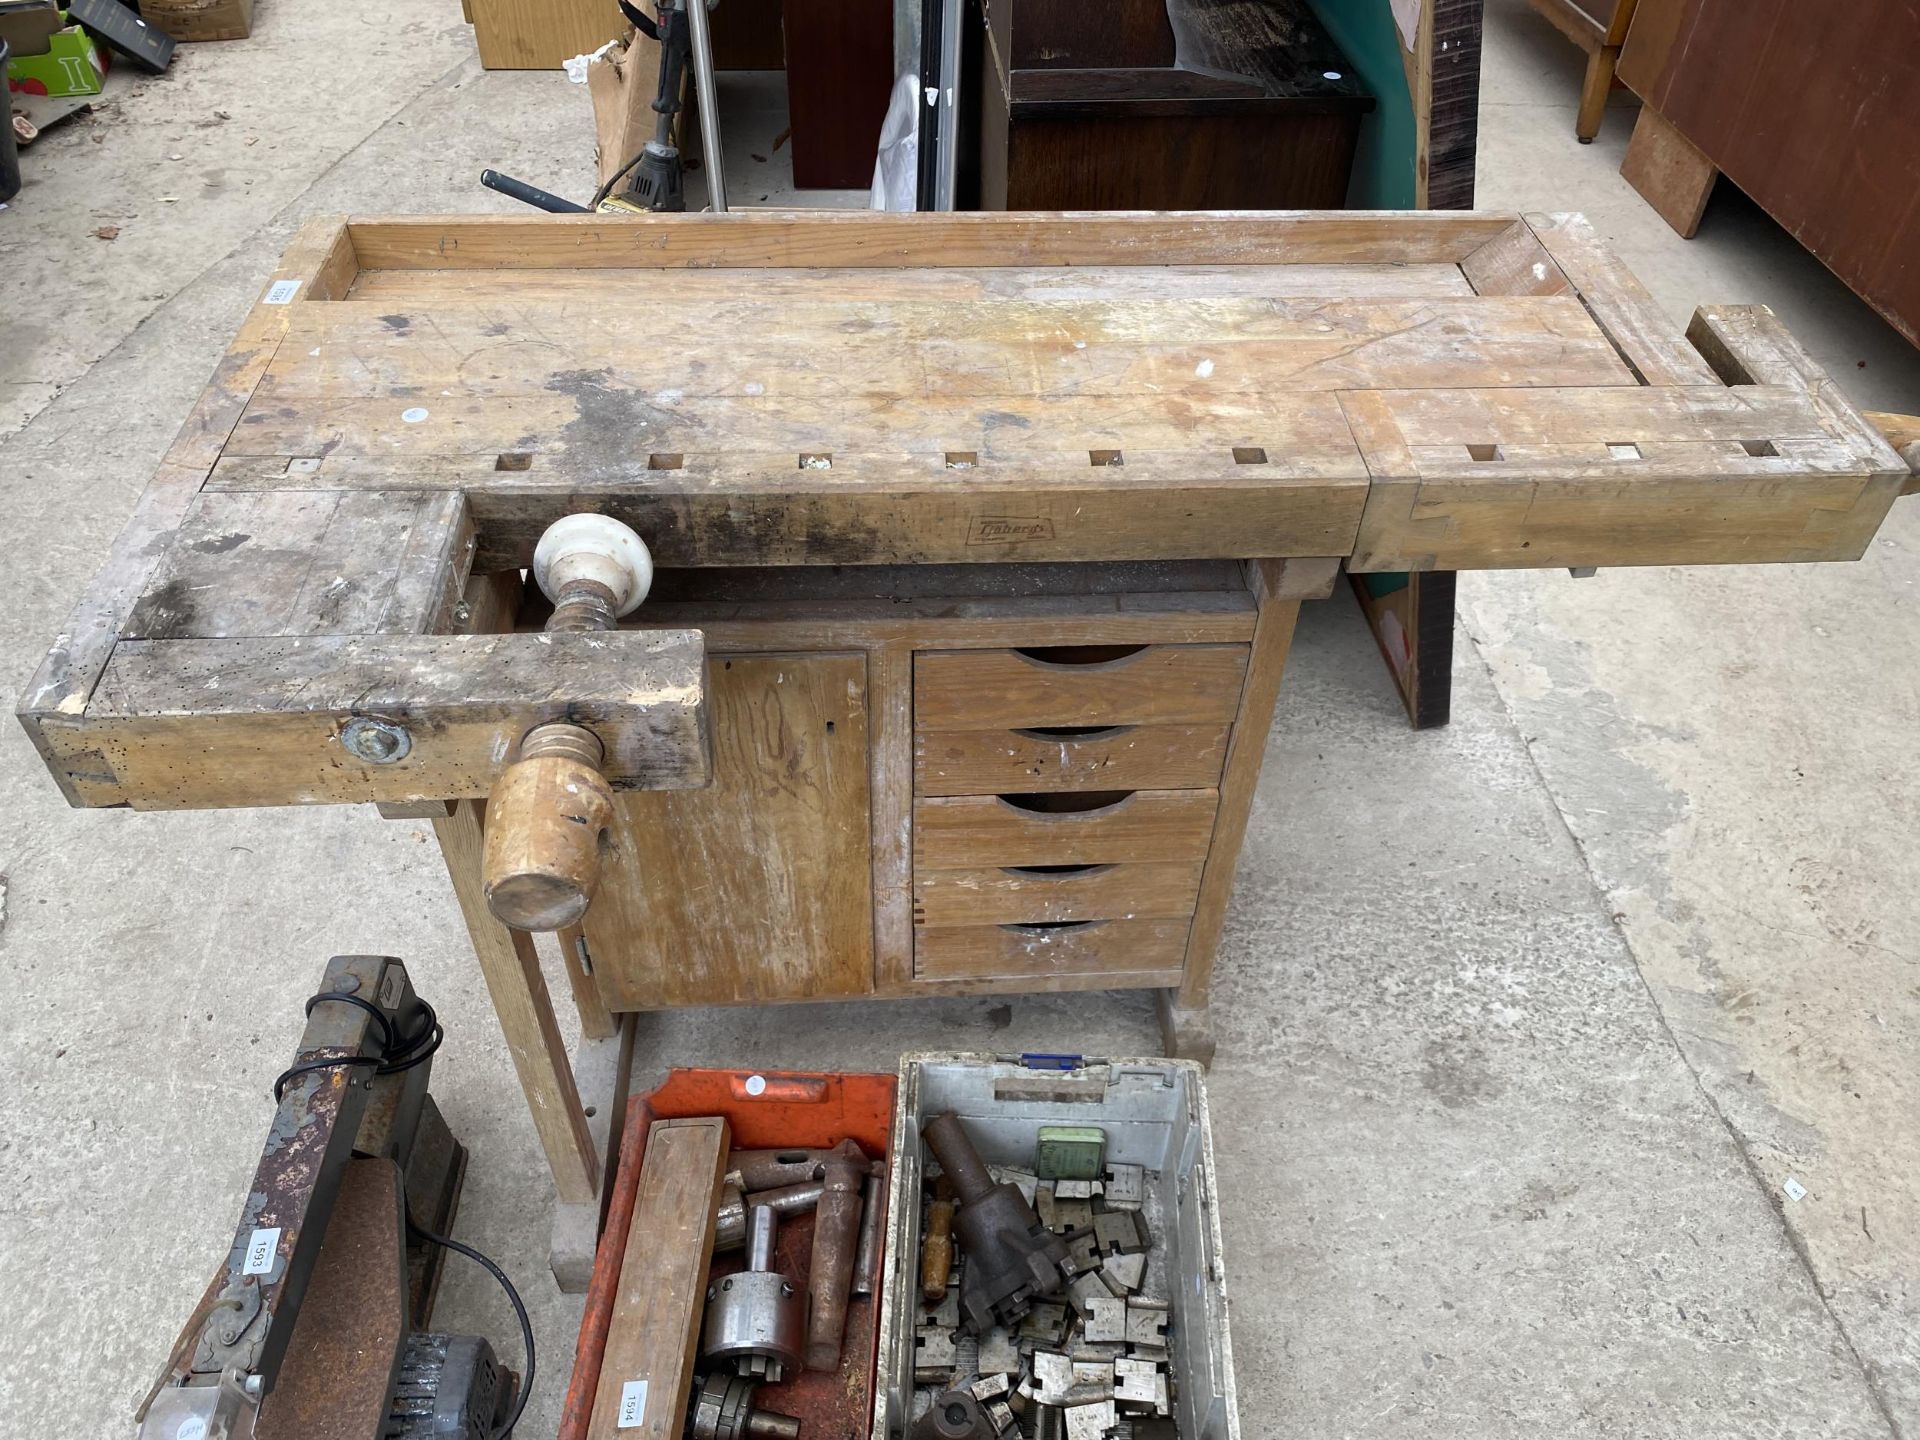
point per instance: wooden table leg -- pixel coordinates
(512, 969)
(1278, 586)
(1594, 90)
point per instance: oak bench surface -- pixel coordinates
(413, 401)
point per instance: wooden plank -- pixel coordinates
(997, 895)
(1156, 685)
(653, 1335)
(320, 264)
(1515, 263)
(511, 967)
(1411, 617)
(1453, 105)
(404, 290)
(309, 562)
(1022, 954)
(1052, 618)
(1654, 476)
(1647, 339)
(759, 887)
(1017, 354)
(970, 832)
(1123, 757)
(1671, 173)
(1272, 642)
(890, 703)
(891, 511)
(198, 724)
(859, 240)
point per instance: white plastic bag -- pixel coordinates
(896, 173)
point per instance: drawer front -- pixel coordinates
(970, 831)
(1114, 757)
(1152, 951)
(1011, 895)
(1026, 689)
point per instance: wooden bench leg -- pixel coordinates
(1594, 90)
(511, 966)
(1186, 1028)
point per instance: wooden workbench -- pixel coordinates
(981, 537)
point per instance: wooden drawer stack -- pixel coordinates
(1064, 803)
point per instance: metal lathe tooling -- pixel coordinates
(1012, 1259)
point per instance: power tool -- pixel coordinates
(316, 1325)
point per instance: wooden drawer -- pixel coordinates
(1013, 895)
(999, 690)
(1147, 951)
(970, 831)
(1111, 757)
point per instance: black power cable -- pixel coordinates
(395, 1056)
(513, 1299)
(415, 1049)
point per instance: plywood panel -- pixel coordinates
(760, 887)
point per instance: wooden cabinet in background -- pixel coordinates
(1809, 109)
(1105, 107)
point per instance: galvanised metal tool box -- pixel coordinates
(1154, 1113)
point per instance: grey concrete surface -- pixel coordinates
(1523, 1023)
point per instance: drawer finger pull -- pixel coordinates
(1042, 929)
(1054, 872)
(1048, 804)
(1080, 657)
(1075, 732)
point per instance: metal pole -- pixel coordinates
(709, 107)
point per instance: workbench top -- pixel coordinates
(412, 402)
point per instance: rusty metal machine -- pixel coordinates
(316, 1326)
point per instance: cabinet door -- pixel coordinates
(759, 887)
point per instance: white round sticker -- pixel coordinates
(191, 1428)
(756, 1084)
(415, 415)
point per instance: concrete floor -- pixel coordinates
(1525, 1023)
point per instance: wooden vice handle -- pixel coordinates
(546, 822)
(1903, 433)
